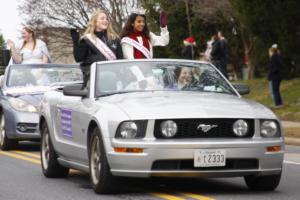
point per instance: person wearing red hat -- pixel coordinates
(189, 50)
(136, 39)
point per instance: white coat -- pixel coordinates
(155, 40)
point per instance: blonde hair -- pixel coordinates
(111, 34)
(30, 31)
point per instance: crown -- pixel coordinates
(139, 11)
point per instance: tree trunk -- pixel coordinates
(187, 10)
(248, 45)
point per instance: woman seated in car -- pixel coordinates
(184, 77)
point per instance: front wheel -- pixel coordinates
(101, 178)
(263, 183)
(50, 166)
(5, 143)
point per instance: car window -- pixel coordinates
(19, 76)
(157, 76)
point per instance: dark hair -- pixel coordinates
(128, 28)
(29, 30)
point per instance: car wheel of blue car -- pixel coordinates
(263, 183)
(101, 178)
(5, 143)
(50, 166)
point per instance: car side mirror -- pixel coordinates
(75, 90)
(241, 88)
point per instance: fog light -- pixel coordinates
(23, 127)
(274, 149)
(128, 150)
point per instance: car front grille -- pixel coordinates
(189, 128)
(231, 164)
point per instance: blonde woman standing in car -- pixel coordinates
(30, 51)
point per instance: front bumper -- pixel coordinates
(16, 121)
(182, 151)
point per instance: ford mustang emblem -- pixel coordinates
(206, 127)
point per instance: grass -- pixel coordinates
(290, 92)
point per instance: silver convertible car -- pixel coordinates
(22, 88)
(159, 118)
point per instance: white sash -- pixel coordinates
(102, 47)
(138, 46)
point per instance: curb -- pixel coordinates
(292, 141)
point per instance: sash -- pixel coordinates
(102, 47)
(138, 46)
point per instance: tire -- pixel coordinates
(101, 178)
(50, 166)
(5, 143)
(263, 183)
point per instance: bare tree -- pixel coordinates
(215, 11)
(47, 16)
(211, 11)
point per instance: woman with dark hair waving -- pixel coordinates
(99, 42)
(136, 39)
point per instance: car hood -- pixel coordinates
(28, 90)
(34, 99)
(163, 105)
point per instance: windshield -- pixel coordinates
(23, 76)
(159, 76)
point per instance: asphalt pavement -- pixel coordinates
(21, 179)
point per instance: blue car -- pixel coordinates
(21, 91)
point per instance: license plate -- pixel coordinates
(209, 158)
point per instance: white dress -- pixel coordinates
(155, 40)
(33, 56)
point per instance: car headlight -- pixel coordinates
(132, 129)
(268, 128)
(21, 105)
(240, 128)
(168, 128)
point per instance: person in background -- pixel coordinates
(216, 52)
(99, 43)
(207, 52)
(189, 50)
(224, 53)
(274, 75)
(30, 51)
(136, 39)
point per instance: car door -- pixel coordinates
(72, 120)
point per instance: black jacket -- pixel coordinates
(216, 52)
(86, 53)
(189, 52)
(275, 64)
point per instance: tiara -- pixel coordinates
(139, 11)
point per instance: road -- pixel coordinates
(21, 179)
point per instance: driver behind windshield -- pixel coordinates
(184, 77)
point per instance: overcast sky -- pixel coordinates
(10, 22)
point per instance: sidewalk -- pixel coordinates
(292, 132)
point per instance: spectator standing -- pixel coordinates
(189, 50)
(274, 75)
(207, 52)
(224, 53)
(216, 52)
